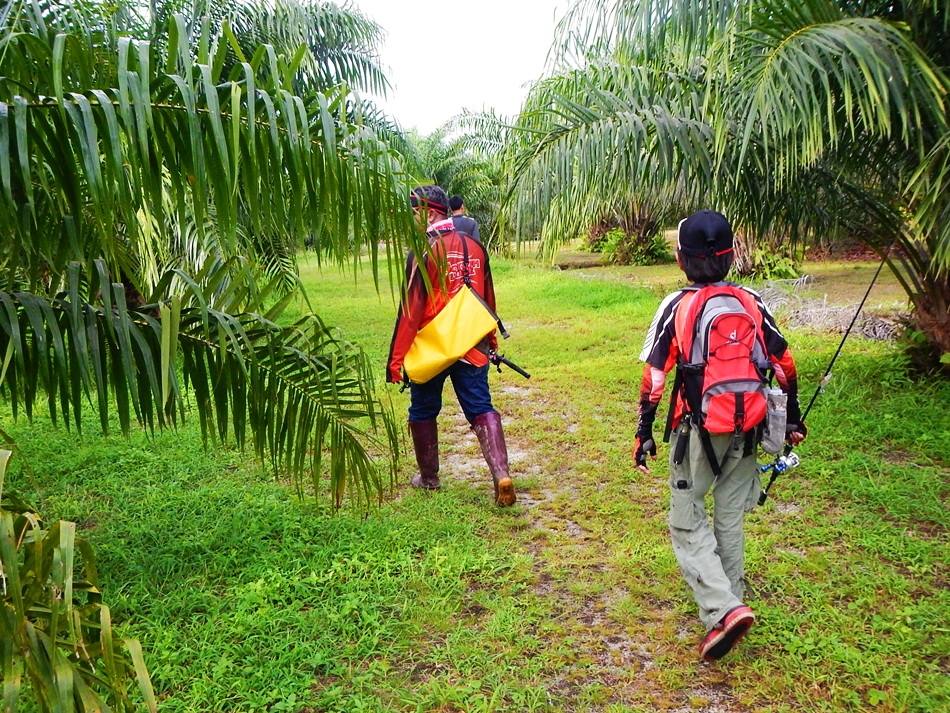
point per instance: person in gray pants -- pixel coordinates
(706, 455)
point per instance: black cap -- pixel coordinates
(704, 234)
(456, 202)
(430, 196)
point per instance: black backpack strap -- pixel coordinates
(677, 384)
(710, 451)
(692, 380)
(752, 437)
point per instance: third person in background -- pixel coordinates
(463, 223)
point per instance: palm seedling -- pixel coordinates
(159, 169)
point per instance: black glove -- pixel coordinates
(643, 446)
(791, 428)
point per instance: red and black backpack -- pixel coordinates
(722, 367)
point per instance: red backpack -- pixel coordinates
(722, 365)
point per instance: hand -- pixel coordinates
(394, 375)
(643, 445)
(795, 433)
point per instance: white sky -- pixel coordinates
(494, 48)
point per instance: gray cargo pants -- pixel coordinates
(712, 559)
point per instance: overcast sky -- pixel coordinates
(472, 54)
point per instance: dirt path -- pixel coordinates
(621, 637)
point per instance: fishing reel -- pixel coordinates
(781, 464)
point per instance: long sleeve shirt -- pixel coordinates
(423, 302)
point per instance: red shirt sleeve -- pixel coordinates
(408, 319)
(489, 297)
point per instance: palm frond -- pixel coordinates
(341, 42)
(592, 32)
(485, 134)
(299, 394)
(79, 166)
(810, 75)
(929, 190)
(586, 145)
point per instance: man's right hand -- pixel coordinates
(394, 374)
(643, 445)
(795, 433)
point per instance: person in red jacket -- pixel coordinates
(469, 375)
(711, 558)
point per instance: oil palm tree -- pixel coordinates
(451, 158)
(151, 204)
(156, 182)
(797, 119)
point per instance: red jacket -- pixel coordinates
(421, 304)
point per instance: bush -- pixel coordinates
(761, 258)
(769, 264)
(54, 627)
(596, 239)
(925, 356)
(623, 249)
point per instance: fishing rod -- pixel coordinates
(790, 460)
(499, 359)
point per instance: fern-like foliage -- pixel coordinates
(159, 171)
(301, 395)
(793, 118)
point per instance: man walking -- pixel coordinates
(722, 339)
(463, 223)
(457, 252)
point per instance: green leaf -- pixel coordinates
(4, 460)
(20, 112)
(141, 674)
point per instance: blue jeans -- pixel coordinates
(471, 388)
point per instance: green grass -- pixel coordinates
(247, 599)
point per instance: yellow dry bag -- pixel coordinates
(452, 333)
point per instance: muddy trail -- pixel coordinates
(617, 632)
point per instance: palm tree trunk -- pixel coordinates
(928, 290)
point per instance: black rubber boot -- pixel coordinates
(491, 437)
(425, 441)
